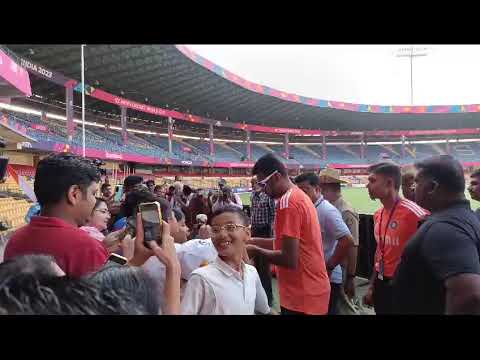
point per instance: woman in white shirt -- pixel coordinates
(227, 286)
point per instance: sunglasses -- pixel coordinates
(264, 182)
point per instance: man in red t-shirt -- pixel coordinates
(65, 187)
(394, 224)
(303, 281)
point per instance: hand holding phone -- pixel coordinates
(152, 223)
(166, 254)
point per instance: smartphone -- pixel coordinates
(118, 259)
(152, 222)
(118, 193)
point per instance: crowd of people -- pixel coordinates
(85, 253)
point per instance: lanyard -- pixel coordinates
(319, 203)
(382, 247)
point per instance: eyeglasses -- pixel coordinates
(264, 182)
(103, 211)
(229, 228)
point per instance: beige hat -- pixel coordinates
(331, 176)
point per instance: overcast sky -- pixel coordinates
(368, 74)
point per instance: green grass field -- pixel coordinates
(360, 200)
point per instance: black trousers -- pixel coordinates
(261, 263)
(383, 296)
(284, 311)
(335, 293)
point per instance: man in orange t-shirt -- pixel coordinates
(303, 281)
(395, 223)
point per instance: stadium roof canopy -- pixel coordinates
(173, 77)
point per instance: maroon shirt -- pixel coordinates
(74, 250)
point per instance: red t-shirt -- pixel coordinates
(75, 252)
(307, 288)
(403, 224)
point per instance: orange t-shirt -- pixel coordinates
(307, 288)
(403, 224)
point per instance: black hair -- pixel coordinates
(312, 178)
(157, 187)
(187, 190)
(28, 293)
(97, 203)
(150, 182)
(475, 173)
(171, 188)
(390, 170)
(179, 215)
(267, 164)
(446, 170)
(131, 181)
(137, 197)
(234, 210)
(132, 281)
(40, 265)
(104, 186)
(58, 172)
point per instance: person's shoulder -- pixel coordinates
(411, 208)
(288, 199)
(251, 270)
(378, 212)
(206, 272)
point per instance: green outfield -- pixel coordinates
(359, 199)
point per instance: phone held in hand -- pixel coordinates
(152, 222)
(118, 193)
(118, 259)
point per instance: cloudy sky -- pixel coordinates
(368, 74)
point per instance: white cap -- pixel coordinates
(202, 218)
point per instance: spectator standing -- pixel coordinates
(395, 223)
(227, 286)
(474, 188)
(303, 281)
(337, 240)
(65, 187)
(330, 183)
(440, 269)
(262, 220)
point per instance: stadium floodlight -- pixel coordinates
(412, 52)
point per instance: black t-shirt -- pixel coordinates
(447, 244)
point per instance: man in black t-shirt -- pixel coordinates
(474, 188)
(439, 272)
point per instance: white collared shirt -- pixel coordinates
(191, 255)
(217, 289)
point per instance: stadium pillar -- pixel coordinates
(170, 134)
(249, 146)
(123, 120)
(403, 146)
(69, 108)
(362, 146)
(286, 147)
(212, 145)
(324, 148)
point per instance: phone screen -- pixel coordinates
(118, 259)
(118, 193)
(151, 219)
